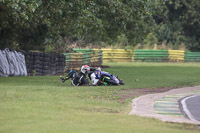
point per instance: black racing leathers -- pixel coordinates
(77, 78)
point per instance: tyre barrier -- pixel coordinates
(176, 55)
(41, 64)
(118, 55)
(12, 63)
(149, 55)
(141, 55)
(192, 57)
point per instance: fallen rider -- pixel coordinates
(97, 77)
(78, 78)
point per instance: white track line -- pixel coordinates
(185, 108)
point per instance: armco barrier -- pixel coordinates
(151, 55)
(176, 55)
(192, 56)
(117, 55)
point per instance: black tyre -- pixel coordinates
(121, 82)
(111, 82)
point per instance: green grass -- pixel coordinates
(156, 75)
(45, 105)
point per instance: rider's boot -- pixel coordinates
(62, 79)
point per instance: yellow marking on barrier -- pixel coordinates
(76, 55)
(118, 55)
(176, 55)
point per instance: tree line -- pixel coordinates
(56, 24)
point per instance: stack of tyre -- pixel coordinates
(33, 63)
(44, 63)
(60, 64)
(48, 65)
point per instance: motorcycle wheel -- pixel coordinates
(121, 82)
(111, 82)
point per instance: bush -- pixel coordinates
(150, 40)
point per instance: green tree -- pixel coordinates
(178, 22)
(33, 24)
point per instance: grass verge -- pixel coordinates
(44, 104)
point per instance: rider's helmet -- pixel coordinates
(85, 69)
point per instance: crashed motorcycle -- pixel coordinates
(105, 78)
(110, 79)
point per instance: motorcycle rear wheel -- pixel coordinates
(111, 82)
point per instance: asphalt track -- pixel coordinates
(191, 107)
(165, 106)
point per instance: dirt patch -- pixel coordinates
(103, 110)
(131, 93)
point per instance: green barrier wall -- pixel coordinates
(192, 57)
(151, 55)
